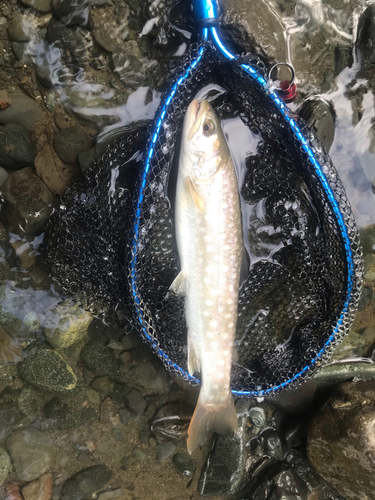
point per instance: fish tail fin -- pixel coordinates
(208, 418)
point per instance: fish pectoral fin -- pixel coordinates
(209, 418)
(194, 364)
(193, 189)
(178, 284)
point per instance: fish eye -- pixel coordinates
(208, 128)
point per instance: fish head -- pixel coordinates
(204, 147)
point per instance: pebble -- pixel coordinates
(71, 12)
(10, 351)
(5, 465)
(165, 450)
(21, 28)
(23, 111)
(184, 464)
(111, 494)
(66, 324)
(29, 202)
(32, 452)
(40, 5)
(127, 62)
(257, 416)
(16, 147)
(40, 489)
(105, 29)
(103, 385)
(83, 484)
(3, 176)
(46, 370)
(70, 142)
(25, 255)
(171, 423)
(136, 402)
(62, 119)
(319, 115)
(126, 416)
(340, 443)
(366, 38)
(99, 359)
(5, 100)
(365, 297)
(13, 492)
(73, 413)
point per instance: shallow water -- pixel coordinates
(70, 75)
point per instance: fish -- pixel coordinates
(209, 242)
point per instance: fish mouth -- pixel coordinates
(196, 112)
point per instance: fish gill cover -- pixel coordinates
(112, 244)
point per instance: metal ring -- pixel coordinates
(293, 73)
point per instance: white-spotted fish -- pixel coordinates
(209, 239)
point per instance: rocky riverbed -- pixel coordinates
(86, 410)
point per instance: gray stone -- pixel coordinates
(340, 440)
(16, 147)
(184, 464)
(103, 385)
(127, 62)
(70, 142)
(257, 416)
(105, 29)
(3, 176)
(23, 111)
(71, 12)
(45, 369)
(73, 413)
(20, 50)
(32, 452)
(99, 359)
(289, 486)
(83, 484)
(171, 422)
(5, 465)
(165, 450)
(319, 115)
(365, 298)
(29, 202)
(366, 37)
(40, 5)
(66, 324)
(21, 28)
(136, 402)
(86, 158)
(72, 42)
(126, 416)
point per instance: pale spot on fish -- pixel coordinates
(213, 323)
(214, 345)
(206, 313)
(207, 281)
(210, 248)
(210, 335)
(209, 302)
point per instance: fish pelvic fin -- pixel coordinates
(178, 285)
(209, 418)
(193, 189)
(194, 364)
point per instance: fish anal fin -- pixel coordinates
(194, 364)
(208, 418)
(193, 189)
(178, 284)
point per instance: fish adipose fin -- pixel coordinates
(194, 364)
(178, 284)
(193, 189)
(210, 418)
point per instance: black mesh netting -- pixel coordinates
(120, 263)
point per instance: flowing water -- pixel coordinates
(101, 66)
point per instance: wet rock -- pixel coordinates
(5, 100)
(40, 5)
(257, 416)
(70, 142)
(5, 465)
(126, 416)
(13, 492)
(67, 324)
(365, 298)
(21, 28)
(184, 464)
(366, 37)
(81, 410)
(32, 452)
(45, 369)
(289, 486)
(105, 29)
(3, 176)
(25, 255)
(89, 110)
(136, 402)
(128, 65)
(10, 351)
(111, 494)
(16, 147)
(103, 385)
(40, 489)
(109, 412)
(71, 12)
(99, 359)
(29, 201)
(83, 484)
(367, 237)
(340, 440)
(224, 471)
(165, 450)
(319, 114)
(72, 42)
(23, 111)
(31, 401)
(171, 422)
(297, 400)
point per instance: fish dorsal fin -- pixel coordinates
(194, 364)
(193, 189)
(178, 284)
